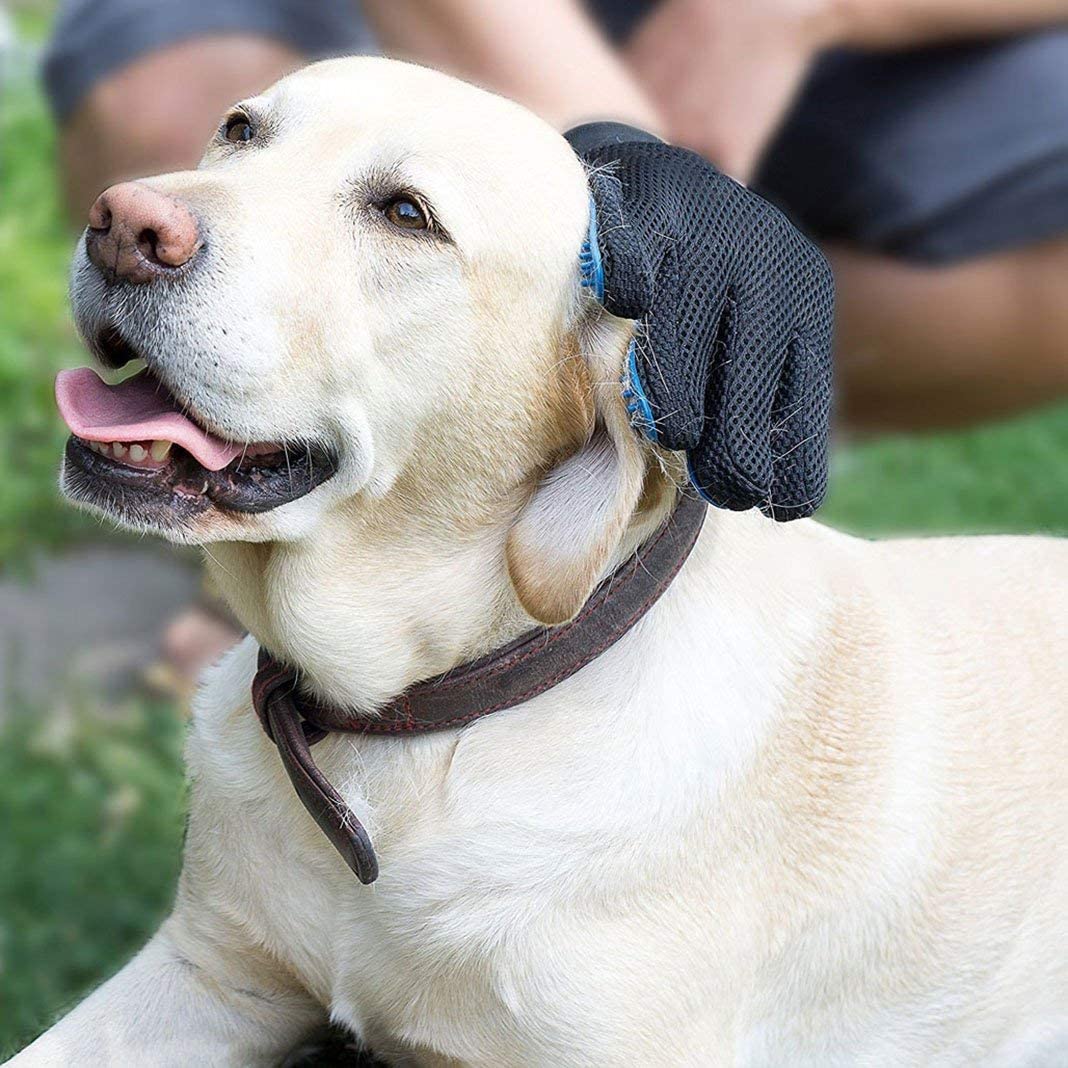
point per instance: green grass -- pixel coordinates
(1010, 477)
(92, 815)
(92, 811)
(36, 337)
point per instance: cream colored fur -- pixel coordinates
(811, 811)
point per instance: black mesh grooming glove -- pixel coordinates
(732, 355)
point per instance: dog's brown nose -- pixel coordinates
(137, 234)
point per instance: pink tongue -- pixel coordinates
(139, 409)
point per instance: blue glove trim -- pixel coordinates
(590, 258)
(592, 277)
(641, 411)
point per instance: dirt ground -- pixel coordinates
(89, 620)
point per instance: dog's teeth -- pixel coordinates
(132, 452)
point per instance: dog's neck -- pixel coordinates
(376, 602)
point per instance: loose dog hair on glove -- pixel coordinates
(731, 361)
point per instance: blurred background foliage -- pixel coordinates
(91, 791)
(36, 337)
(92, 821)
(91, 799)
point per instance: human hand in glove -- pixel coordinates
(731, 362)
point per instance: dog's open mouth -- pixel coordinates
(133, 449)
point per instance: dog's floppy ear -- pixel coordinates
(566, 533)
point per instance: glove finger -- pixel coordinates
(732, 464)
(674, 349)
(800, 422)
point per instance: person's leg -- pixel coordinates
(925, 347)
(938, 181)
(157, 113)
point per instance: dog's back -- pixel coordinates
(922, 764)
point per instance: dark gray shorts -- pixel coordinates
(935, 154)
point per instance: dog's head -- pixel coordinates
(365, 302)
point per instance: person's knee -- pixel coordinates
(927, 346)
(157, 113)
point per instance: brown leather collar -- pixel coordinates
(530, 665)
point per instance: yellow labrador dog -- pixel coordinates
(811, 810)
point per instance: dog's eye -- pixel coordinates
(238, 129)
(406, 213)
